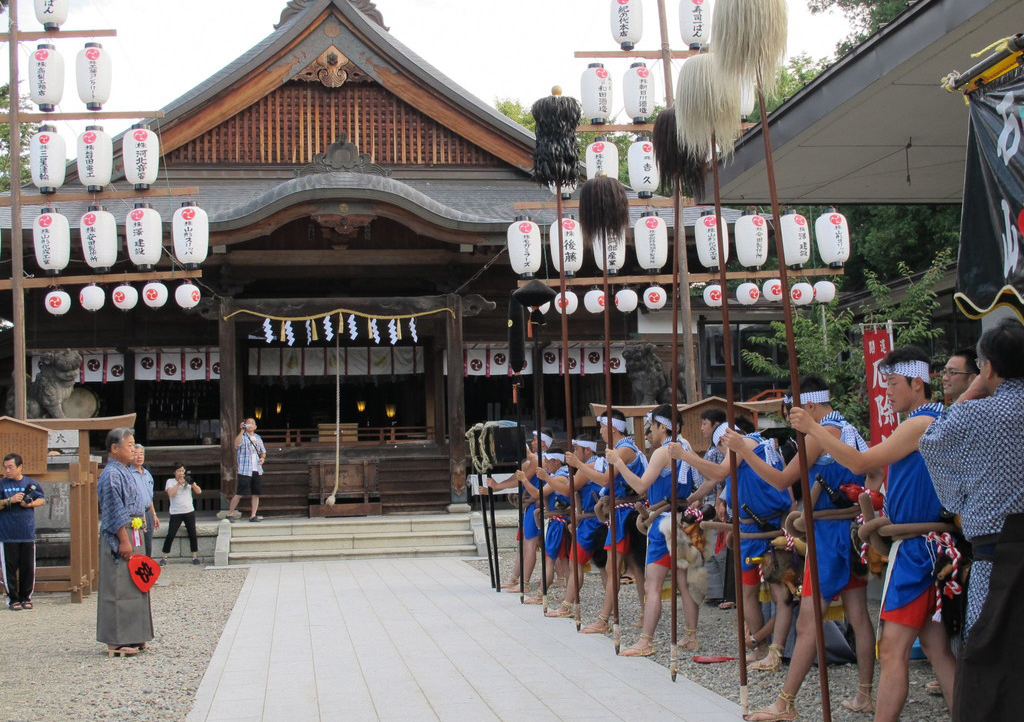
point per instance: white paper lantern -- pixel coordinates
(47, 159)
(140, 152)
(596, 95)
(567, 190)
(650, 237)
(638, 92)
(655, 298)
(572, 241)
(51, 235)
(154, 294)
(93, 72)
(643, 170)
(705, 232)
(569, 304)
(626, 300)
(52, 13)
(713, 295)
(46, 77)
(190, 228)
(98, 229)
(524, 252)
(57, 303)
(771, 290)
(593, 301)
(833, 234)
(627, 22)
(95, 158)
(747, 293)
(801, 293)
(695, 22)
(187, 295)
(92, 297)
(751, 239)
(747, 99)
(824, 291)
(143, 236)
(796, 239)
(616, 254)
(125, 297)
(602, 157)
(544, 308)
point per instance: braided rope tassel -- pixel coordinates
(951, 587)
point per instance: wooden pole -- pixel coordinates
(538, 418)
(613, 556)
(17, 250)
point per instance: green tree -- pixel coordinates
(27, 129)
(514, 110)
(865, 16)
(798, 71)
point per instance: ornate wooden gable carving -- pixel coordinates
(342, 157)
(332, 68)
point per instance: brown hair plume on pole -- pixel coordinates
(749, 39)
(707, 108)
(604, 210)
(679, 167)
(556, 153)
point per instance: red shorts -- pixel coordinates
(622, 547)
(854, 583)
(665, 561)
(917, 613)
(580, 553)
(752, 577)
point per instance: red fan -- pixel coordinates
(144, 571)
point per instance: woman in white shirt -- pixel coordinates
(180, 490)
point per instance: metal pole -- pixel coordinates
(17, 249)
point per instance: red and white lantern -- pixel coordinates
(569, 304)
(801, 293)
(524, 252)
(154, 294)
(747, 293)
(638, 92)
(713, 295)
(46, 77)
(650, 237)
(187, 295)
(92, 297)
(824, 291)
(705, 232)
(98, 229)
(593, 301)
(57, 303)
(695, 22)
(627, 22)
(643, 170)
(140, 152)
(190, 229)
(655, 298)
(52, 13)
(751, 239)
(95, 158)
(771, 290)
(615, 254)
(626, 300)
(833, 234)
(596, 93)
(572, 243)
(47, 159)
(93, 71)
(144, 236)
(796, 239)
(125, 297)
(602, 157)
(51, 235)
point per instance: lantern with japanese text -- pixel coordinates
(140, 152)
(705, 232)
(602, 157)
(47, 159)
(125, 297)
(626, 300)
(638, 92)
(643, 171)
(596, 93)
(616, 253)
(143, 236)
(747, 98)
(650, 236)
(93, 72)
(627, 22)
(572, 242)
(824, 291)
(796, 239)
(98, 229)
(154, 294)
(190, 228)
(57, 302)
(51, 235)
(801, 293)
(751, 239)
(713, 295)
(524, 250)
(593, 300)
(695, 22)
(91, 297)
(655, 298)
(46, 77)
(833, 234)
(95, 158)
(52, 13)
(569, 304)
(771, 290)
(747, 293)
(187, 295)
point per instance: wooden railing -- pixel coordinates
(351, 435)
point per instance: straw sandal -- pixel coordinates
(563, 612)
(601, 626)
(771, 662)
(689, 642)
(786, 714)
(643, 648)
(865, 708)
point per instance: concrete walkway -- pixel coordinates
(407, 640)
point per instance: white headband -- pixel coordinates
(667, 423)
(815, 397)
(787, 399)
(720, 432)
(619, 424)
(545, 438)
(559, 457)
(592, 445)
(910, 369)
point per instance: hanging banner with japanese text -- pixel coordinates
(877, 343)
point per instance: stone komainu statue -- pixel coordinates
(646, 374)
(45, 396)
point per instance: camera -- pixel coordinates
(188, 478)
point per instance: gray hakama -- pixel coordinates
(122, 611)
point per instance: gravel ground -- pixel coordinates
(54, 669)
(717, 633)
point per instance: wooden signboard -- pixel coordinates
(26, 439)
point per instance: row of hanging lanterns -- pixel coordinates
(625, 300)
(140, 153)
(190, 232)
(602, 156)
(92, 75)
(627, 22)
(748, 293)
(597, 93)
(124, 297)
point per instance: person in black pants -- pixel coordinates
(19, 495)
(180, 490)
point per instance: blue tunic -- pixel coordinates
(659, 491)
(769, 503)
(624, 490)
(554, 535)
(590, 532)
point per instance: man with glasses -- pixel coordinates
(959, 372)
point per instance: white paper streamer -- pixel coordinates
(289, 334)
(393, 331)
(309, 333)
(353, 332)
(328, 329)
(412, 330)
(268, 330)
(374, 331)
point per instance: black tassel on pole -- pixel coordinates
(516, 335)
(604, 210)
(556, 154)
(679, 167)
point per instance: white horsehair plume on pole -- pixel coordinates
(749, 40)
(707, 108)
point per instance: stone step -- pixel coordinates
(266, 557)
(351, 525)
(376, 540)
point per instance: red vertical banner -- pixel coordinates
(878, 343)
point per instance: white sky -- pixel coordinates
(492, 48)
